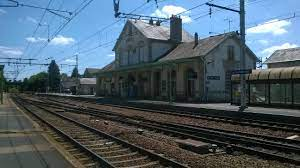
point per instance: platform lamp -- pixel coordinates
(1, 82)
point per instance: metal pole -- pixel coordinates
(1, 87)
(169, 73)
(242, 53)
(77, 74)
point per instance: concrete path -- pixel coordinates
(216, 106)
(22, 143)
(229, 107)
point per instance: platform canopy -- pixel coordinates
(271, 74)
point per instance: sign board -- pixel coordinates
(241, 71)
(213, 77)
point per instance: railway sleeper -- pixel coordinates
(98, 144)
(103, 149)
(132, 162)
(91, 165)
(153, 164)
(86, 137)
(92, 142)
(115, 152)
(122, 157)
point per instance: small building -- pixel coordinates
(90, 72)
(167, 63)
(270, 87)
(68, 85)
(87, 86)
(284, 58)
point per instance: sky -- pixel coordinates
(91, 33)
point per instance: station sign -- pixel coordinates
(213, 77)
(241, 71)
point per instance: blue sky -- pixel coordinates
(267, 25)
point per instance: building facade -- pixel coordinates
(162, 63)
(87, 86)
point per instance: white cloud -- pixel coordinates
(61, 40)
(275, 27)
(70, 60)
(2, 12)
(9, 51)
(169, 10)
(28, 19)
(263, 42)
(270, 50)
(35, 40)
(31, 19)
(111, 55)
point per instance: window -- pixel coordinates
(230, 52)
(296, 93)
(281, 93)
(258, 93)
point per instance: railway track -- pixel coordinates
(268, 147)
(95, 148)
(226, 119)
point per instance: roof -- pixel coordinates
(68, 82)
(271, 74)
(154, 32)
(189, 50)
(87, 81)
(158, 32)
(92, 70)
(185, 50)
(285, 55)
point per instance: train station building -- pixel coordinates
(157, 62)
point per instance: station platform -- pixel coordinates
(227, 107)
(204, 106)
(23, 143)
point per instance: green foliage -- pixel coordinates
(75, 73)
(63, 76)
(36, 83)
(54, 76)
(13, 90)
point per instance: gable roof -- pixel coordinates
(153, 31)
(285, 55)
(109, 67)
(158, 32)
(87, 81)
(204, 46)
(186, 50)
(91, 70)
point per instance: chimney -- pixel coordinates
(196, 39)
(151, 21)
(175, 28)
(158, 23)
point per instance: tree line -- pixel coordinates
(42, 81)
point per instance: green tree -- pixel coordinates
(75, 73)
(37, 83)
(54, 76)
(63, 76)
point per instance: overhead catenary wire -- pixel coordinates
(100, 30)
(62, 27)
(75, 13)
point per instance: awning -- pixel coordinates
(272, 74)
